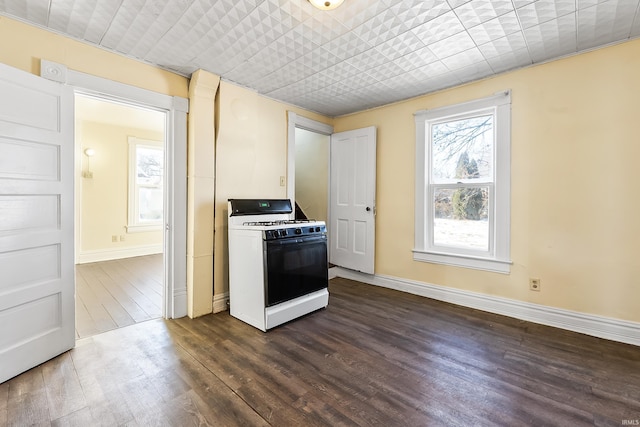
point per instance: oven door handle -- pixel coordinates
(298, 240)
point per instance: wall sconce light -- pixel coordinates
(89, 152)
(326, 4)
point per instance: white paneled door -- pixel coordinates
(352, 205)
(37, 314)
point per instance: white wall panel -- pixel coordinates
(28, 160)
(43, 317)
(22, 213)
(36, 109)
(43, 260)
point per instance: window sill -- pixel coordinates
(143, 228)
(478, 263)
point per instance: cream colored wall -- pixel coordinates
(251, 156)
(104, 198)
(24, 46)
(312, 173)
(575, 147)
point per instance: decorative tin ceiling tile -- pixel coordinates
(386, 70)
(552, 39)
(510, 60)
(604, 23)
(635, 28)
(355, 13)
(32, 11)
(452, 45)
(543, 11)
(363, 54)
(323, 30)
(98, 18)
(347, 46)
(416, 59)
(439, 28)
(475, 71)
(368, 59)
(463, 59)
(380, 28)
(416, 12)
(520, 3)
(456, 3)
(495, 28)
(503, 46)
(399, 46)
(479, 11)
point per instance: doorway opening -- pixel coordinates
(120, 157)
(312, 174)
(315, 139)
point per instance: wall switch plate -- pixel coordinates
(283, 181)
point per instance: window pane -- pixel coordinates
(149, 165)
(461, 217)
(462, 150)
(149, 204)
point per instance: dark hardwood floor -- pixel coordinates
(373, 357)
(113, 294)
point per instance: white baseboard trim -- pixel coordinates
(590, 324)
(111, 254)
(220, 302)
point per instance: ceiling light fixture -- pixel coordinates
(326, 4)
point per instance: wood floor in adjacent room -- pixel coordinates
(373, 357)
(113, 294)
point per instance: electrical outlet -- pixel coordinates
(87, 174)
(114, 239)
(122, 237)
(534, 284)
(283, 181)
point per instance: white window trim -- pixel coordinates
(132, 224)
(497, 258)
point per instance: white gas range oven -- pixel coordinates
(278, 268)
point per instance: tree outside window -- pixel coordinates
(462, 184)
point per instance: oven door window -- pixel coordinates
(295, 267)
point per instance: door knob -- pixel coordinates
(368, 208)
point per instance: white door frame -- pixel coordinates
(176, 109)
(295, 121)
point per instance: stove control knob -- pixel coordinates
(298, 231)
(318, 229)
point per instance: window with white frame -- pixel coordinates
(146, 175)
(462, 214)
